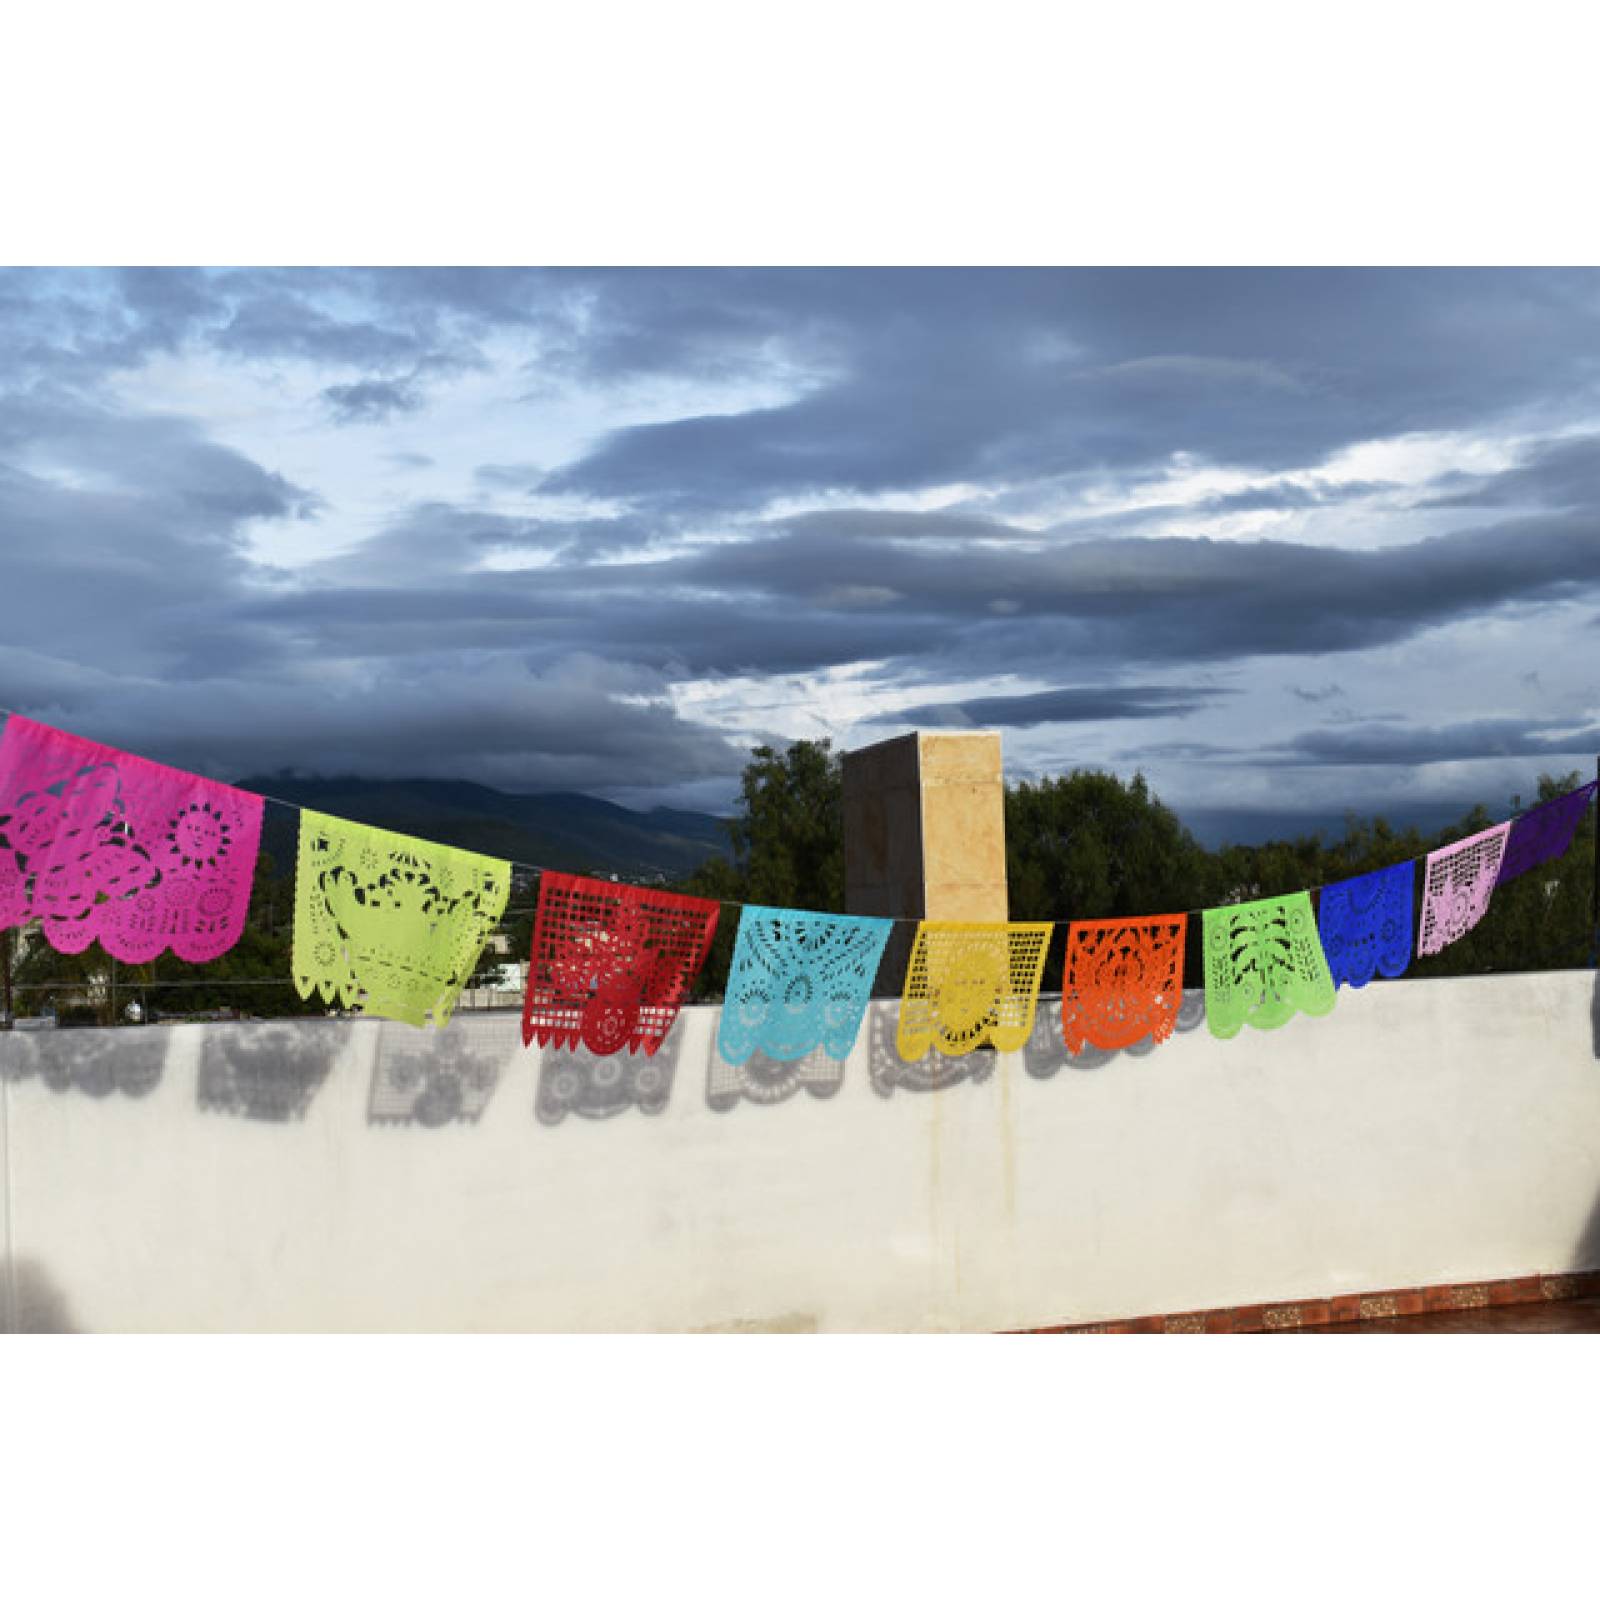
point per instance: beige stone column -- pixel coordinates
(925, 829)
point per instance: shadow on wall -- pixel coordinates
(1594, 1018)
(1045, 1054)
(426, 1077)
(91, 1061)
(266, 1071)
(888, 1071)
(30, 1302)
(597, 1087)
(767, 1082)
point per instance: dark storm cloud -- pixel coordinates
(130, 582)
(494, 723)
(1394, 741)
(1177, 598)
(497, 724)
(129, 596)
(907, 378)
(126, 540)
(164, 462)
(543, 615)
(938, 376)
(1392, 744)
(418, 562)
(140, 631)
(1108, 704)
(834, 588)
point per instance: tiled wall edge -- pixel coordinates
(1351, 1307)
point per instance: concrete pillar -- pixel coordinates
(925, 828)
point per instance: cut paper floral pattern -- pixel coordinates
(799, 981)
(1123, 981)
(1264, 962)
(1366, 925)
(99, 844)
(390, 925)
(611, 963)
(934, 1073)
(1544, 833)
(971, 984)
(1457, 885)
(1046, 1064)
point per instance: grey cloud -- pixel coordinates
(1103, 704)
(1179, 598)
(170, 302)
(135, 614)
(579, 536)
(423, 561)
(1287, 497)
(1151, 517)
(1188, 751)
(982, 376)
(834, 588)
(1390, 744)
(371, 400)
(74, 327)
(287, 323)
(164, 461)
(1560, 473)
(494, 724)
(509, 475)
(546, 613)
(900, 378)
(1204, 372)
(128, 539)
(37, 679)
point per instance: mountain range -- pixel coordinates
(571, 832)
(579, 833)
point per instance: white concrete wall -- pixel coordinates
(1426, 1132)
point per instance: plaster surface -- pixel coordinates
(1426, 1132)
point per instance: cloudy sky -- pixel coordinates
(1289, 542)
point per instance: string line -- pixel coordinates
(742, 905)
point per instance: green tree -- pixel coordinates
(788, 845)
(1092, 845)
(788, 833)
